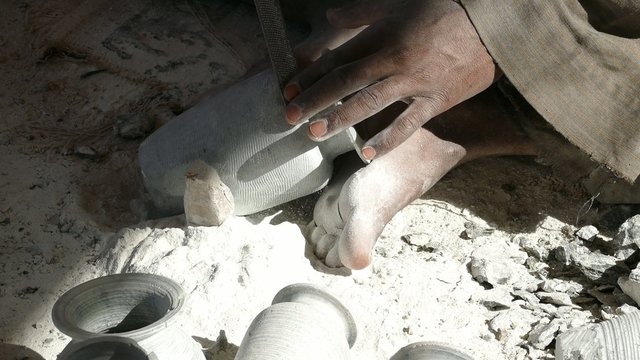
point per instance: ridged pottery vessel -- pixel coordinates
(241, 134)
(615, 339)
(304, 322)
(105, 348)
(140, 307)
(429, 351)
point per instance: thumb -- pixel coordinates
(360, 13)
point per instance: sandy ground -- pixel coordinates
(72, 207)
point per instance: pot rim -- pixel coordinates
(427, 346)
(287, 294)
(159, 283)
(79, 345)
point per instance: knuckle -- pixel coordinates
(371, 98)
(338, 119)
(437, 101)
(388, 140)
(406, 125)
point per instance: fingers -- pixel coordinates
(360, 13)
(364, 104)
(334, 86)
(417, 114)
(321, 41)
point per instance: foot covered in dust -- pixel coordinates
(351, 214)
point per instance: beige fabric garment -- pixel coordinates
(577, 63)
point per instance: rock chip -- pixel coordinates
(533, 247)
(570, 287)
(597, 267)
(543, 334)
(493, 299)
(492, 271)
(627, 240)
(556, 298)
(86, 152)
(587, 233)
(207, 200)
(473, 230)
(630, 285)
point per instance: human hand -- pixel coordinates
(424, 52)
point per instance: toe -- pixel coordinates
(333, 259)
(314, 233)
(324, 245)
(357, 241)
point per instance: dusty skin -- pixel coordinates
(353, 211)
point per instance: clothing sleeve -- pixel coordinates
(577, 62)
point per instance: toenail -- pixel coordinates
(291, 91)
(293, 113)
(318, 128)
(368, 152)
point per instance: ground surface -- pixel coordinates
(72, 206)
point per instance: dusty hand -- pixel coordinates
(424, 52)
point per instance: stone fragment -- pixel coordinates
(492, 271)
(86, 152)
(133, 125)
(630, 285)
(511, 325)
(533, 247)
(501, 323)
(607, 312)
(543, 334)
(493, 299)
(627, 240)
(566, 286)
(587, 233)
(625, 309)
(473, 230)
(207, 200)
(529, 297)
(597, 267)
(556, 298)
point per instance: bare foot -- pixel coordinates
(347, 225)
(351, 214)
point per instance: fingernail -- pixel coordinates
(318, 128)
(293, 114)
(368, 152)
(291, 91)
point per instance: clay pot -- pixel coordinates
(242, 135)
(615, 339)
(140, 307)
(429, 351)
(105, 348)
(304, 322)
